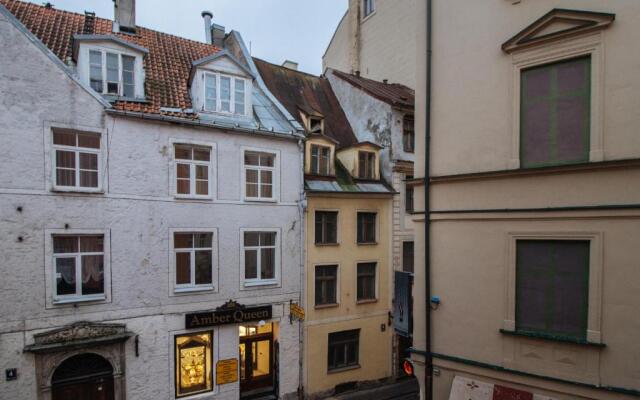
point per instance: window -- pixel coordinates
(193, 253)
(555, 113)
(78, 267)
(192, 170)
(260, 257)
(407, 256)
(366, 165)
(320, 159)
(343, 349)
(76, 159)
(259, 169)
(315, 125)
(194, 363)
(408, 196)
(223, 93)
(112, 73)
(408, 135)
(326, 285)
(326, 227)
(366, 227)
(368, 6)
(366, 281)
(552, 287)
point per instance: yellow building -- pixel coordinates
(348, 274)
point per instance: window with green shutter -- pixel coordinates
(552, 287)
(555, 113)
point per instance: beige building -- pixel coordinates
(348, 273)
(534, 236)
(376, 38)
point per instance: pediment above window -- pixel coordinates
(78, 334)
(114, 40)
(223, 62)
(558, 24)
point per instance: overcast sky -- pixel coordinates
(299, 30)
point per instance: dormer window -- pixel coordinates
(366, 165)
(224, 94)
(112, 73)
(315, 125)
(320, 159)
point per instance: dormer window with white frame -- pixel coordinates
(224, 93)
(112, 73)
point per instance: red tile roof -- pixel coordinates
(394, 94)
(299, 91)
(167, 65)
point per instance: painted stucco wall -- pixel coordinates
(136, 212)
(375, 346)
(386, 46)
(470, 251)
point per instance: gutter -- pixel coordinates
(293, 135)
(428, 371)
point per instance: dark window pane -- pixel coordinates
(89, 141)
(326, 284)
(65, 159)
(552, 290)
(251, 158)
(366, 281)
(266, 191)
(65, 244)
(183, 186)
(201, 153)
(64, 138)
(203, 267)
(407, 256)
(89, 161)
(366, 227)
(267, 264)
(183, 171)
(183, 152)
(65, 177)
(250, 264)
(343, 349)
(267, 159)
(251, 238)
(408, 199)
(267, 239)
(183, 268)
(572, 124)
(92, 275)
(65, 276)
(92, 244)
(326, 223)
(183, 240)
(203, 240)
(89, 179)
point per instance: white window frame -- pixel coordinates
(176, 289)
(120, 54)
(313, 294)
(371, 8)
(257, 282)
(596, 255)
(275, 176)
(232, 93)
(52, 299)
(566, 49)
(320, 147)
(76, 150)
(376, 283)
(192, 180)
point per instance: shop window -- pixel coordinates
(343, 349)
(194, 353)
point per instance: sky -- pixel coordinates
(275, 30)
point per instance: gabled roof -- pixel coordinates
(556, 24)
(167, 65)
(393, 94)
(221, 54)
(299, 91)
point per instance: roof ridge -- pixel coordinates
(322, 76)
(372, 80)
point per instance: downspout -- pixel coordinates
(428, 371)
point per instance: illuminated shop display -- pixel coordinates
(193, 363)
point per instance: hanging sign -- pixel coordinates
(296, 311)
(227, 371)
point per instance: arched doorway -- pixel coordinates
(83, 377)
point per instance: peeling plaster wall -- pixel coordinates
(137, 212)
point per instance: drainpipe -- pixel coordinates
(428, 371)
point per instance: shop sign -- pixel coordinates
(296, 311)
(229, 313)
(227, 371)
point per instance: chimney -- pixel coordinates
(206, 15)
(385, 81)
(217, 35)
(290, 64)
(124, 16)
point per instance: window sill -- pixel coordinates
(367, 243)
(112, 98)
(367, 17)
(188, 197)
(261, 283)
(78, 299)
(323, 306)
(550, 337)
(193, 290)
(258, 200)
(343, 369)
(62, 189)
(327, 244)
(367, 301)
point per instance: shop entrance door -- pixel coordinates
(83, 377)
(256, 360)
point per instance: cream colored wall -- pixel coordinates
(375, 346)
(387, 44)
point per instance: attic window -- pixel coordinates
(112, 73)
(320, 159)
(224, 94)
(366, 165)
(316, 125)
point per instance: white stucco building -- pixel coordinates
(145, 181)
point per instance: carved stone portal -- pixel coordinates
(53, 347)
